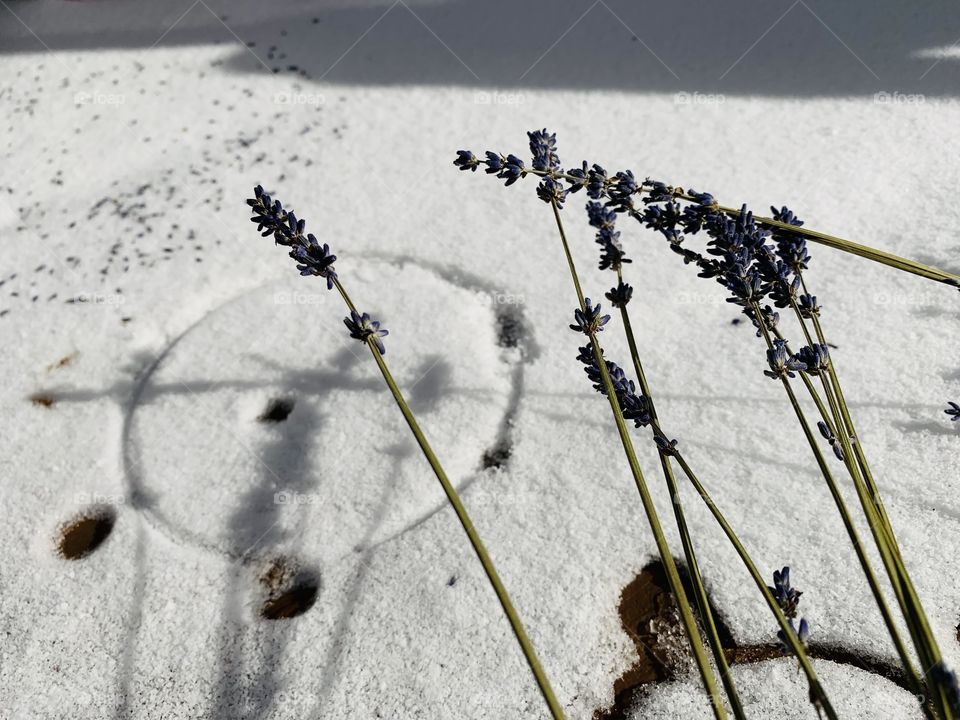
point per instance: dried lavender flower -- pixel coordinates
(787, 597)
(816, 357)
(953, 411)
(832, 439)
(808, 305)
(620, 295)
(666, 446)
(363, 326)
(947, 679)
(466, 160)
(311, 257)
(597, 180)
(550, 191)
(543, 147)
(509, 168)
(802, 635)
(315, 259)
(781, 363)
(633, 407)
(589, 320)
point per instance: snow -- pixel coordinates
(133, 135)
(852, 694)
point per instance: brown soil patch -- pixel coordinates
(650, 618)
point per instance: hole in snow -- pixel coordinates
(510, 329)
(85, 533)
(290, 590)
(277, 410)
(43, 399)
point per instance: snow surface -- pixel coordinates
(133, 134)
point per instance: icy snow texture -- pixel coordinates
(124, 172)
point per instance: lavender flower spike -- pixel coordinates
(311, 257)
(634, 407)
(362, 327)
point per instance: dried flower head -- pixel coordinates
(787, 597)
(815, 357)
(509, 168)
(808, 305)
(543, 147)
(466, 160)
(953, 411)
(315, 259)
(781, 363)
(665, 445)
(832, 439)
(550, 191)
(620, 295)
(363, 327)
(589, 320)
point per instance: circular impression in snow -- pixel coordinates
(266, 427)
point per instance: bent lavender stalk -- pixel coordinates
(314, 259)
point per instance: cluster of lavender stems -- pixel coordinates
(753, 272)
(314, 259)
(543, 148)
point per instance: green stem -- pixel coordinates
(700, 592)
(663, 548)
(838, 243)
(532, 660)
(882, 529)
(848, 523)
(924, 641)
(817, 692)
(852, 432)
